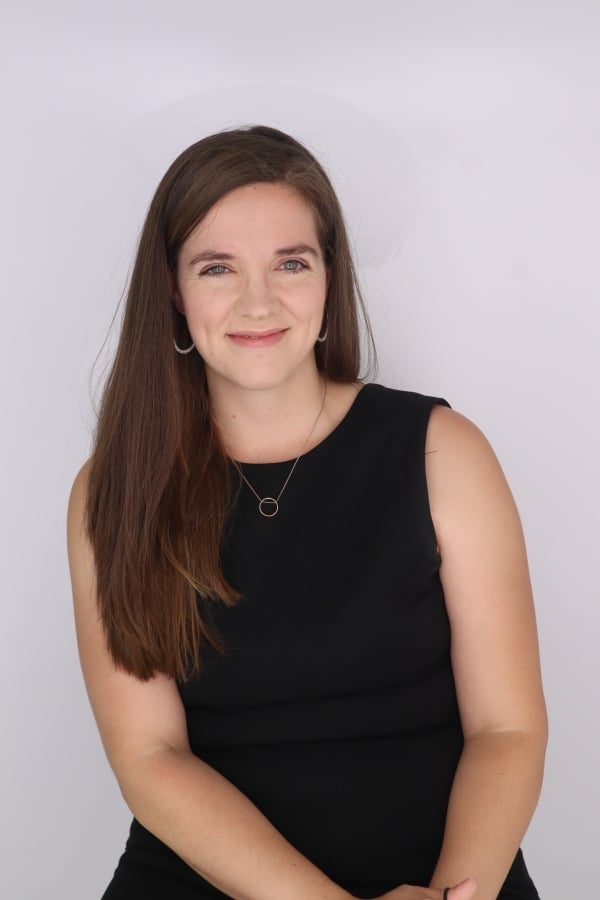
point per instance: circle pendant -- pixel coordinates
(268, 507)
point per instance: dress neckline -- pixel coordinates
(331, 437)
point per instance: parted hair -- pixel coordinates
(160, 484)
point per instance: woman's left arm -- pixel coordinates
(495, 656)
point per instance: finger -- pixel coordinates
(463, 891)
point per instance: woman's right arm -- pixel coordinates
(172, 793)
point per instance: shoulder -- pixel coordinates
(78, 495)
(467, 488)
(453, 434)
(76, 513)
(79, 549)
(455, 445)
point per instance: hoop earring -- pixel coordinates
(182, 351)
(323, 337)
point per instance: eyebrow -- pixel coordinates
(296, 249)
(219, 255)
(210, 254)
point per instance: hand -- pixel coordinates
(463, 891)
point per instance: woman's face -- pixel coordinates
(252, 284)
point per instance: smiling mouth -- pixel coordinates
(257, 339)
(256, 335)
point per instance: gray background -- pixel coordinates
(464, 139)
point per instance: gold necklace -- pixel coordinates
(269, 506)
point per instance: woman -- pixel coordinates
(302, 603)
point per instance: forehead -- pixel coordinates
(258, 212)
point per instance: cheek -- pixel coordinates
(200, 320)
(206, 315)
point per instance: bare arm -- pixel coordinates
(494, 656)
(184, 802)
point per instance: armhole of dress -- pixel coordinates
(435, 401)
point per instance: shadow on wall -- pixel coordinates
(379, 199)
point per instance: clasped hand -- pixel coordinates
(463, 891)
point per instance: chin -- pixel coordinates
(255, 381)
(261, 378)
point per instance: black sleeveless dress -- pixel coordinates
(334, 709)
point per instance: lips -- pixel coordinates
(257, 338)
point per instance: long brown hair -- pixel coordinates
(159, 486)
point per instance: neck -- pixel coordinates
(271, 424)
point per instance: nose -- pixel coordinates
(258, 298)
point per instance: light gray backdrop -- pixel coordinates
(464, 139)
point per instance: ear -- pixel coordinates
(175, 295)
